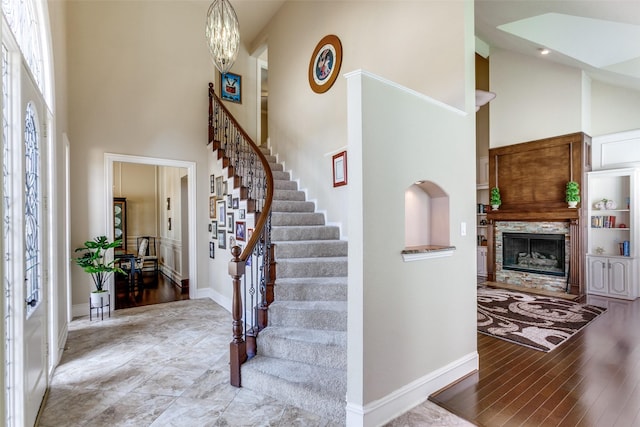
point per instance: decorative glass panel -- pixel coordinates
(6, 231)
(23, 21)
(32, 210)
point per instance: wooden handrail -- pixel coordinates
(222, 123)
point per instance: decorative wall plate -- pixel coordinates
(325, 64)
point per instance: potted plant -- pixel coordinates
(495, 200)
(572, 192)
(93, 262)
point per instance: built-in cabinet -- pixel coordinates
(482, 197)
(612, 236)
(120, 220)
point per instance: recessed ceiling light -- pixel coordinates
(544, 51)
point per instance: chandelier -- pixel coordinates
(223, 34)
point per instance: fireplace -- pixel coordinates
(534, 253)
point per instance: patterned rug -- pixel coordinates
(535, 321)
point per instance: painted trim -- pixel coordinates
(217, 297)
(407, 397)
(407, 90)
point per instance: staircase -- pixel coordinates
(302, 357)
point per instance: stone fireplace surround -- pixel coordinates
(529, 279)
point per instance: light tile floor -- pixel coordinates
(167, 365)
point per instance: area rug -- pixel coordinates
(535, 321)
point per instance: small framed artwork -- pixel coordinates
(232, 241)
(229, 200)
(169, 224)
(222, 239)
(212, 250)
(168, 203)
(221, 208)
(231, 87)
(236, 203)
(230, 222)
(225, 187)
(340, 169)
(219, 189)
(212, 207)
(213, 228)
(240, 231)
(325, 63)
(212, 184)
(249, 233)
(242, 213)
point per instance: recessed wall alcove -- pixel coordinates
(426, 222)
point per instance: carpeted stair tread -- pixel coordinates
(284, 184)
(289, 195)
(304, 232)
(296, 218)
(313, 267)
(281, 175)
(314, 347)
(276, 167)
(322, 315)
(292, 206)
(309, 248)
(313, 388)
(311, 289)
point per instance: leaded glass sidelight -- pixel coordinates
(32, 210)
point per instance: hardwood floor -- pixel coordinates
(152, 293)
(591, 380)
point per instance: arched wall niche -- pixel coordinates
(426, 221)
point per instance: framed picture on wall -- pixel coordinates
(212, 207)
(221, 207)
(230, 222)
(222, 239)
(340, 169)
(212, 250)
(231, 87)
(240, 231)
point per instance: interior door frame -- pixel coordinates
(111, 158)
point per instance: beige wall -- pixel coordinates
(535, 99)
(306, 128)
(540, 99)
(137, 84)
(614, 109)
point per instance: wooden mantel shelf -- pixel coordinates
(529, 214)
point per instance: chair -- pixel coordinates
(129, 264)
(147, 260)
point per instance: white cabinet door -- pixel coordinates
(482, 261)
(597, 273)
(619, 280)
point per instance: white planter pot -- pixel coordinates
(99, 299)
(495, 207)
(573, 204)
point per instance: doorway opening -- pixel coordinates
(164, 215)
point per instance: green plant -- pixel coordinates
(93, 261)
(572, 192)
(495, 197)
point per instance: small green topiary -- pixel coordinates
(495, 197)
(572, 192)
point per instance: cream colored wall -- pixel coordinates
(170, 245)
(535, 99)
(137, 84)
(306, 128)
(614, 109)
(139, 185)
(392, 352)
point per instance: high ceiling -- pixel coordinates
(601, 37)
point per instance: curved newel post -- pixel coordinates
(237, 347)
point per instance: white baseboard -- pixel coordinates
(402, 400)
(79, 310)
(222, 300)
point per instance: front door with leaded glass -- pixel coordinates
(35, 298)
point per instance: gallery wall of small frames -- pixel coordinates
(228, 220)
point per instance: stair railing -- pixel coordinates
(252, 269)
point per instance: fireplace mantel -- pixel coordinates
(534, 214)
